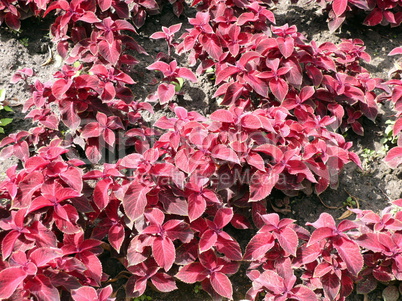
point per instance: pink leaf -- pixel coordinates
(225, 153)
(394, 157)
(10, 279)
(225, 73)
(288, 240)
(222, 285)
(84, 293)
(256, 160)
(196, 206)
(223, 217)
(41, 256)
(92, 129)
(349, 251)
(374, 18)
(331, 285)
(339, 6)
(251, 122)
(187, 74)
(222, 116)
(89, 17)
(135, 200)
(164, 252)
(116, 236)
(104, 4)
(110, 52)
(207, 240)
(262, 184)
(165, 93)
(279, 88)
(164, 282)
(258, 246)
(100, 194)
(29, 186)
(395, 51)
(42, 288)
(8, 243)
(191, 273)
(286, 46)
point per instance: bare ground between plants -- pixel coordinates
(371, 188)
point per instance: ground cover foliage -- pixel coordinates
(95, 177)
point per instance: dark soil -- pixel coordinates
(371, 188)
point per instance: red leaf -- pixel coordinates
(92, 129)
(41, 256)
(303, 293)
(31, 183)
(225, 153)
(196, 206)
(207, 240)
(256, 160)
(10, 279)
(261, 185)
(374, 18)
(222, 285)
(93, 264)
(60, 87)
(100, 194)
(250, 122)
(397, 127)
(12, 21)
(164, 252)
(223, 217)
(339, 6)
(135, 200)
(85, 293)
(222, 116)
(110, 52)
(349, 251)
(211, 45)
(104, 4)
(258, 246)
(89, 17)
(187, 74)
(224, 73)
(164, 282)
(395, 51)
(8, 242)
(394, 157)
(288, 240)
(279, 88)
(335, 23)
(286, 45)
(116, 236)
(165, 93)
(331, 285)
(193, 272)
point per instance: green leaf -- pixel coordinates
(5, 121)
(178, 84)
(2, 95)
(7, 108)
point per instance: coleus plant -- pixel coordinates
(377, 12)
(266, 69)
